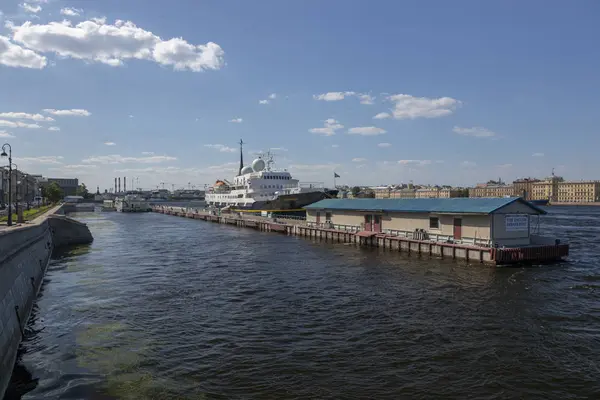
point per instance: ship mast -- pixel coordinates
(241, 157)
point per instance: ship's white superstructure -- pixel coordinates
(256, 184)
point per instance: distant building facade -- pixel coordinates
(546, 189)
(484, 190)
(68, 185)
(578, 192)
(524, 188)
(403, 194)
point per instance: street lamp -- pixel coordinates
(9, 155)
(17, 191)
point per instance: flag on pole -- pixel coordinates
(336, 175)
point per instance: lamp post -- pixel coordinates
(18, 210)
(9, 155)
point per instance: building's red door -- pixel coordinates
(457, 228)
(318, 217)
(367, 223)
(377, 223)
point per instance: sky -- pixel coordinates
(380, 92)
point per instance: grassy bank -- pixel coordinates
(28, 215)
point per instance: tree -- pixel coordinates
(53, 192)
(355, 191)
(82, 191)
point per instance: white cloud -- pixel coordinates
(335, 146)
(13, 55)
(382, 115)
(366, 131)
(272, 96)
(227, 167)
(384, 145)
(415, 162)
(505, 166)
(75, 112)
(110, 143)
(40, 160)
(278, 149)
(410, 107)
(130, 116)
(18, 124)
(329, 127)
(468, 164)
(537, 155)
(236, 120)
(74, 167)
(117, 159)
(54, 128)
(476, 131)
(22, 115)
(71, 12)
(332, 96)
(95, 40)
(4, 134)
(366, 99)
(30, 8)
(358, 159)
(263, 102)
(313, 167)
(221, 148)
(148, 153)
(168, 170)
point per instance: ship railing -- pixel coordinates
(311, 185)
(337, 227)
(435, 237)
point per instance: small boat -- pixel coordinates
(132, 203)
(108, 205)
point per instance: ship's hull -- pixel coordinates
(289, 204)
(539, 202)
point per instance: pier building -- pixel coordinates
(502, 222)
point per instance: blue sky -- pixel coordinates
(464, 91)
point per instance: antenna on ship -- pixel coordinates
(241, 157)
(269, 159)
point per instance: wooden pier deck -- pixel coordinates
(444, 250)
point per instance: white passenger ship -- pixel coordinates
(132, 203)
(259, 187)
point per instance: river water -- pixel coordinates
(160, 307)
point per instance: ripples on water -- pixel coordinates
(170, 308)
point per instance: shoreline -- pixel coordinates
(595, 204)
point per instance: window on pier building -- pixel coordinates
(434, 223)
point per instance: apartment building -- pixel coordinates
(484, 190)
(546, 189)
(428, 193)
(578, 192)
(381, 192)
(403, 194)
(524, 188)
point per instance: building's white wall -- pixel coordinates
(500, 236)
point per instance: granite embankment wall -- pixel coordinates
(25, 251)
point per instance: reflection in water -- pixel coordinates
(170, 308)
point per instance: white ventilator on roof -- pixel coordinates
(258, 165)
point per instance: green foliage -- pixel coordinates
(53, 192)
(355, 191)
(82, 191)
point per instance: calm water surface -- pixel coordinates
(160, 307)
